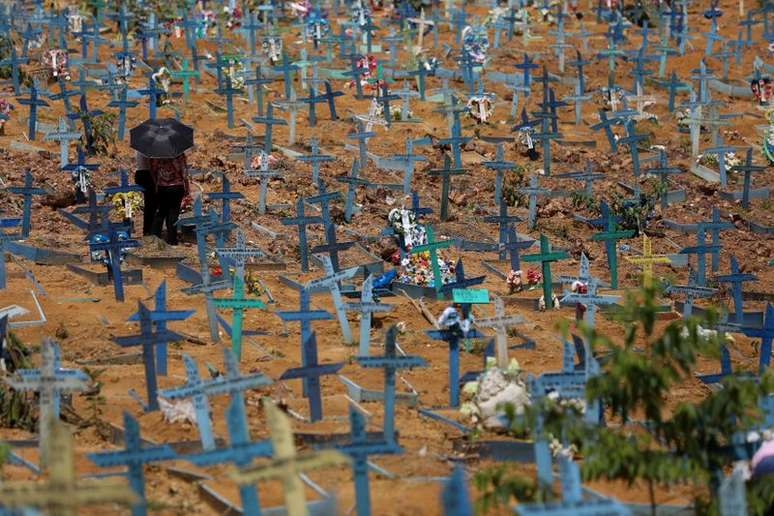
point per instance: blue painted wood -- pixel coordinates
(391, 363)
(27, 191)
(50, 380)
(359, 448)
(148, 339)
(455, 496)
(114, 245)
(134, 456)
(34, 103)
(198, 390)
(160, 316)
(301, 221)
(452, 338)
(311, 372)
(367, 307)
(736, 279)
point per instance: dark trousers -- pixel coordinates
(169, 199)
(149, 202)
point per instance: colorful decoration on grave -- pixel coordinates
(58, 63)
(768, 137)
(5, 112)
(481, 107)
(475, 43)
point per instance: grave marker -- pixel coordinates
(747, 192)
(391, 363)
(331, 282)
(49, 380)
(446, 174)
(240, 450)
(647, 260)
(500, 322)
(315, 159)
(26, 191)
(432, 247)
(33, 102)
(148, 340)
(301, 220)
(63, 493)
(358, 449)
(231, 383)
(546, 257)
(452, 338)
(367, 307)
(691, 291)
(160, 316)
(287, 464)
(736, 279)
(766, 334)
(610, 237)
(268, 122)
(237, 303)
(135, 457)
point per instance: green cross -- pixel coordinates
(185, 73)
(433, 248)
(238, 303)
(545, 257)
(610, 237)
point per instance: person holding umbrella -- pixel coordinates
(161, 144)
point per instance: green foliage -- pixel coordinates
(684, 443)
(500, 486)
(103, 137)
(581, 200)
(634, 213)
(17, 409)
(648, 438)
(512, 181)
(5, 52)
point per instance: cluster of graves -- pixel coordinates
(251, 58)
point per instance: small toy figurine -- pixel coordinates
(514, 281)
(272, 48)
(579, 287)
(5, 111)
(450, 319)
(762, 90)
(58, 63)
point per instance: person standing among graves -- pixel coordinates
(170, 177)
(142, 177)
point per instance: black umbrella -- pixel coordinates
(161, 138)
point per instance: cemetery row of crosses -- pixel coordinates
(432, 258)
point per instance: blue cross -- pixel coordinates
(452, 338)
(134, 456)
(231, 383)
(736, 278)
(148, 340)
(359, 448)
(14, 61)
(391, 363)
(160, 316)
(113, 246)
(311, 372)
(301, 220)
(26, 191)
(33, 102)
